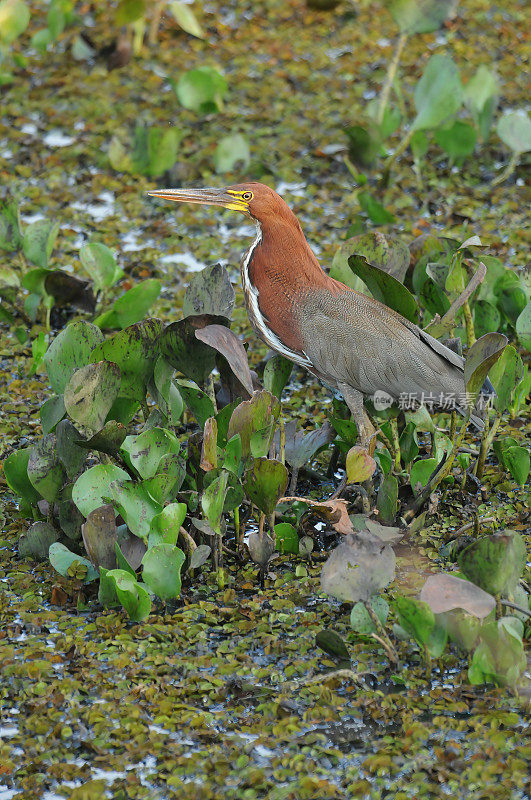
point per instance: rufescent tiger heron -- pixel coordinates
(350, 341)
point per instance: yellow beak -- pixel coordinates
(204, 197)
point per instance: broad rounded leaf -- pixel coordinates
(16, 474)
(231, 152)
(201, 89)
(100, 265)
(38, 242)
(45, 471)
(480, 358)
(265, 483)
(94, 485)
(147, 448)
(61, 559)
(421, 16)
(495, 562)
(162, 566)
(36, 542)
(360, 465)
(438, 94)
(91, 392)
(443, 592)
(69, 351)
(514, 129)
(14, 19)
(385, 288)
(361, 566)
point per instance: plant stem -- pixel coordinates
(237, 526)
(390, 77)
(398, 152)
(453, 426)
(427, 658)
(469, 324)
(211, 392)
(382, 634)
(395, 439)
(508, 171)
(155, 21)
(486, 443)
(516, 607)
(499, 611)
(282, 438)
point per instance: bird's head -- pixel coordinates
(254, 199)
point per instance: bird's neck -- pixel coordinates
(278, 272)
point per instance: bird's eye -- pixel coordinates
(247, 196)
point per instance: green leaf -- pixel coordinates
(523, 327)
(517, 461)
(360, 567)
(55, 20)
(181, 348)
(41, 40)
(287, 538)
(100, 265)
(162, 566)
(213, 500)
(409, 448)
(387, 499)
(165, 526)
(134, 351)
(70, 454)
(131, 307)
(136, 506)
(385, 288)
(277, 373)
(14, 19)
(480, 358)
(94, 485)
(495, 562)
(458, 141)
(438, 94)
(62, 559)
(16, 474)
(481, 97)
(45, 471)
(129, 11)
(420, 473)
(35, 543)
(255, 416)
(38, 242)
(232, 460)
(201, 89)
(209, 291)
(511, 295)
(90, 393)
(505, 375)
(514, 129)
(147, 448)
(232, 152)
(360, 466)
(331, 643)
(108, 440)
(70, 350)
(10, 235)
(165, 392)
(168, 479)
(162, 149)
(374, 210)
(197, 401)
(416, 618)
(133, 597)
(186, 19)
(499, 657)
(421, 16)
(360, 620)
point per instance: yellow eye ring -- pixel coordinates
(247, 196)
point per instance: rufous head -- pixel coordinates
(254, 199)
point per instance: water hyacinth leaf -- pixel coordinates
(409, 448)
(421, 16)
(481, 96)
(364, 142)
(197, 401)
(421, 472)
(209, 292)
(385, 288)
(231, 152)
(523, 327)
(70, 518)
(10, 235)
(517, 461)
(16, 474)
(38, 242)
(386, 533)
(99, 537)
(181, 348)
(162, 148)
(261, 547)
(62, 560)
(70, 350)
(161, 571)
(94, 485)
(209, 448)
(131, 307)
(134, 350)
(123, 562)
(499, 657)
(90, 393)
(331, 643)
(358, 568)
(226, 342)
(301, 446)
(386, 252)
(164, 527)
(136, 506)
(495, 562)
(438, 94)
(145, 450)
(200, 556)
(35, 543)
(480, 358)
(14, 19)
(505, 375)
(100, 265)
(458, 141)
(186, 19)
(69, 452)
(360, 466)
(201, 89)
(257, 415)
(108, 440)
(487, 318)
(213, 500)
(374, 210)
(133, 597)
(277, 373)
(287, 538)
(265, 483)
(168, 479)
(361, 622)
(67, 290)
(129, 11)
(514, 129)
(443, 592)
(45, 471)
(511, 295)
(232, 458)
(168, 398)
(387, 499)
(416, 618)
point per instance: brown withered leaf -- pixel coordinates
(334, 511)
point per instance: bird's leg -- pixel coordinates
(354, 401)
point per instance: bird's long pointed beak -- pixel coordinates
(204, 197)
